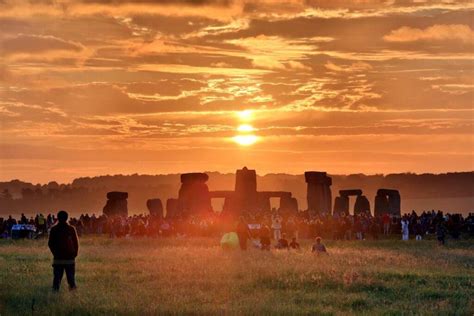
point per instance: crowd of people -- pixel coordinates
(300, 225)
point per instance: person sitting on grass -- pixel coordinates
(64, 246)
(294, 244)
(282, 243)
(318, 247)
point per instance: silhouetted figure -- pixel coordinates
(418, 230)
(441, 233)
(282, 243)
(243, 232)
(294, 244)
(318, 247)
(386, 224)
(64, 246)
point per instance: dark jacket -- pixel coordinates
(63, 242)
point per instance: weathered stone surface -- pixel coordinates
(172, 208)
(194, 197)
(341, 205)
(362, 205)
(318, 192)
(155, 207)
(115, 195)
(194, 177)
(381, 205)
(387, 201)
(350, 192)
(288, 205)
(116, 204)
(246, 197)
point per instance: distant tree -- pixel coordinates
(53, 185)
(27, 193)
(6, 195)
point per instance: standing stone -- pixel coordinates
(155, 207)
(116, 204)
(288, 205)
(246, 197)
(341, 205)
(172, 208)
(194, 197)
(362, 205)
(387, 201)
(318, 192)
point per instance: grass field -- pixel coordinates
(172, 276)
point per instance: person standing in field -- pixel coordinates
(64, 246)
(276, 226)
(243, 232)
(441, 233)
(418, 230)
(405, 230)
(386, 224)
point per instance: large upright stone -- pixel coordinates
(172, 208)
(116, 204)
(155, 207)
(341, 205)
(387, 201)
(362, 205)
(288, 205)
(350, 192)
(318, 192)
(194, 197)
(246, 197)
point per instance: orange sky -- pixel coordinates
(91, 87)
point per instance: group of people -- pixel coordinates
(300, 225)
(64, 245)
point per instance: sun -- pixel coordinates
(245, 131)
(245, 140)
(245, 128)
(245, 115)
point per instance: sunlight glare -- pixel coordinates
(245, 128)
(245, 115)
(245, 140)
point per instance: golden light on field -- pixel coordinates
(245, 140)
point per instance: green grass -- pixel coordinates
(172, 276)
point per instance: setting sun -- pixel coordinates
(245, 128)
(245, 115)
(245, 140)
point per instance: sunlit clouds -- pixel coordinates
(97, 87)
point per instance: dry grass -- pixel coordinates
(171, 276)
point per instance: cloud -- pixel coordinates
(37, 44)
(354, 67)
(274, 52)
(452, 32)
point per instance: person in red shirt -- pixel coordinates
(386, 224)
